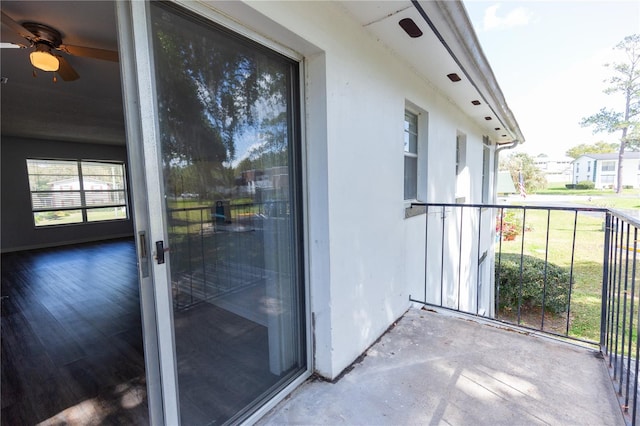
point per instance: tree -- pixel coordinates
(625, 80)
(523, 163)
(596, 148)
(211, 89)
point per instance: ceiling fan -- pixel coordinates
(43, 39)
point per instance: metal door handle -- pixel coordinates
(160, 252)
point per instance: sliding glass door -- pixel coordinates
(224, 155)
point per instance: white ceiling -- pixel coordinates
(85, 110)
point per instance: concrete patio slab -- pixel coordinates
(434, 368)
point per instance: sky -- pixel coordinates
(548, 58)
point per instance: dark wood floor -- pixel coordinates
(71, 337)
(223, 363)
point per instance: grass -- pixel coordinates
(560, 189)
(587, 267)
(613, 202)
(68, 217)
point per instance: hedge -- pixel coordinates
(508, 278)
(585, 184)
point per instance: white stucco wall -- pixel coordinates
(364, 257)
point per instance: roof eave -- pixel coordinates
(450, 21)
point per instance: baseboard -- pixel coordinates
(65, 243)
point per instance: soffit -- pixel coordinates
(436, 54)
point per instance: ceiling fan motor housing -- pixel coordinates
(44, 34)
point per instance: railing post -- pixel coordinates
(605, 282)
(497, 284)
(426, 250)
(524, 225)
(573, 253)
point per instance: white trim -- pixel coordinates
(306, 235)
(277, 399)
(139, 209)
(146, 97)
(212, 12)
(150, 146)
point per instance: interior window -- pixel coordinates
(74, 191)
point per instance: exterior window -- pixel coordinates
(589, 166)
(74, 191)
(608, 166)
(486, 158)
(410, 155)
(607, 180)
(461, 152)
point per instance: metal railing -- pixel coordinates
(620, 323)
(566, 271)
(216, 250)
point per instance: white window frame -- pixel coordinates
(486, 170)
(84, 202)
(608, 166)
(411, 154)
(421, 154)
(461, 152)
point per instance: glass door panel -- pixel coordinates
(228, 114)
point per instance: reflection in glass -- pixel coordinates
(227, 115)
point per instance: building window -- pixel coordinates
(608, 166)
(589, 166)
(486, 159)
(74, 191)
(410, 155)
(461, 152)
(607, 179)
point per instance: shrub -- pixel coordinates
(557, 289)
(511, 223)
(570, 186)
(627, 186)
(585, 184)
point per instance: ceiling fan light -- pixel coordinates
(42, 58)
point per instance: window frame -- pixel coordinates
(486, 170)
(461, 152)
(84, 202)
(608, 166)
(409, 154)
(422, 148)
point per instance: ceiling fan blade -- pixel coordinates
(22, 31)
(7, 45)
(66, 71)
(90, 52)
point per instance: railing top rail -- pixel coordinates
(514, 206)
(626, 216)
(187, 209)
(209, 207)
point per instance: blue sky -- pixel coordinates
(548, 57)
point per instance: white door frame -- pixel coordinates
(150, 221)
(147, 189)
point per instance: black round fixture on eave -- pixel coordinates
(410, 27)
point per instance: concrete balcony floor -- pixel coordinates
(436, 368)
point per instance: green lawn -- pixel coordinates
(587, 264)
(65, 217)
(560, 189)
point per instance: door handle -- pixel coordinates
(144, 259)
(160, 249)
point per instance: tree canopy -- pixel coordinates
(595, 148)
(212, 89)
(521, 162)
(625, 80)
